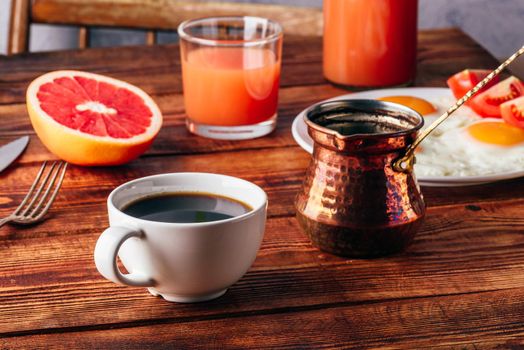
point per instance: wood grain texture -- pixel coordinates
(168, 14)
(283, 182)
(459, 286)
(445, 322)
(41, 291)
(157, 70)
(402, 324)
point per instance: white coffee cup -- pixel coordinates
(182, 262)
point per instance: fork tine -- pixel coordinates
(35, 212)
(55, 192)
(38, 191)
(52, 199)
(33, 185)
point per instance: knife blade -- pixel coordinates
(9, 152)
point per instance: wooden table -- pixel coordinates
(460, 285)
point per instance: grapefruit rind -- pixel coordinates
(80, 148)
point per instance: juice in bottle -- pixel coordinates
(370, 43)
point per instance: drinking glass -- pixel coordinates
(231, 74)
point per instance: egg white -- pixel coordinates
(451, 151)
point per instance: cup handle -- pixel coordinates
(106, 252)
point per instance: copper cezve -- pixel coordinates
(353, 202)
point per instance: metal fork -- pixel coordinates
(39, 203)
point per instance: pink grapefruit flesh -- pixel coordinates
(105, 121)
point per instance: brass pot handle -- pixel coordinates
(405, 163)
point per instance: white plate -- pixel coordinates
(301, 136)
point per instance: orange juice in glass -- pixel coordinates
(231, 73)
(370, 43)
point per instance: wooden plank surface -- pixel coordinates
(157, 69)
(38, 279)
(458, 286)
(446, 322)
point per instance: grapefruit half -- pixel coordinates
(90, 119)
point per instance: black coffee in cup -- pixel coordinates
(185, 207)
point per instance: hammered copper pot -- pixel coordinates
(352, 202)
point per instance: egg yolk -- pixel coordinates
(418, 104)
(496, 133)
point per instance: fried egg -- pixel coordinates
(418, 104)
(467, 145)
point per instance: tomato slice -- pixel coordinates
(464, 81)
(487, 104)
(513, 112)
